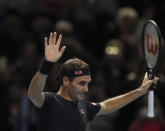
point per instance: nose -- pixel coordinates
(85, 88)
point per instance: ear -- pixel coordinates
(65, 80)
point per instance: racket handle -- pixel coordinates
(151, 103)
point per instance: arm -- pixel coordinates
(118, 102)
(52, 54)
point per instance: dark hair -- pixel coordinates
(71, 65)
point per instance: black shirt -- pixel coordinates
(59, 114)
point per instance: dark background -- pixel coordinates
(88, 27)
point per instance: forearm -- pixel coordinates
(113, 104)
(36, 88)
(52, 55)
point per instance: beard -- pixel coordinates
(82, 95)
(78, 96)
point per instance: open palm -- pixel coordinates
(52, 52)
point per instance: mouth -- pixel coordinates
(83, 94)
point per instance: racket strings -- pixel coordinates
(151, 45)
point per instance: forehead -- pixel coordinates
(86, 78)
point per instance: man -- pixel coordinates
(67, 109)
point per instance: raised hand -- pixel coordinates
(52, 51)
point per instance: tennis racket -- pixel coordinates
(151, 40)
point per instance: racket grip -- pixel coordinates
(151, 103)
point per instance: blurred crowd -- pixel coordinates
(104, 33)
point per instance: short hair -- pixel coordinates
(71, 65)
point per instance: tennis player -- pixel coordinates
(67, 109)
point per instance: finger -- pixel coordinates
(54, 37)
(51, 39)
(154, 87)
(46, 41)
(154, 80)
(62, 49)
(59, 40)
(146, 75)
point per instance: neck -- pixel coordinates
(64, 93)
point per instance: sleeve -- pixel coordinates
(92, 110)
(48, 100)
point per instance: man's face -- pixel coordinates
(78, 88)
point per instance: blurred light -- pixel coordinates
(3, 63)
(162, 78)
(112, 50)
(131, 76)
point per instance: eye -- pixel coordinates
(82, 83)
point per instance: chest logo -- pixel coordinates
(82, 111)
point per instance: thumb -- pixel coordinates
(62, 49)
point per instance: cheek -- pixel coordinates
(74, 90)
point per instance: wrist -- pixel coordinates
(45, 67)
(142, 90)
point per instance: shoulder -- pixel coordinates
(50, 94)
(92, 109)
(91, 106)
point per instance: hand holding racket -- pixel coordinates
(151, 40)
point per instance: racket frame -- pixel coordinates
(152, 72)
